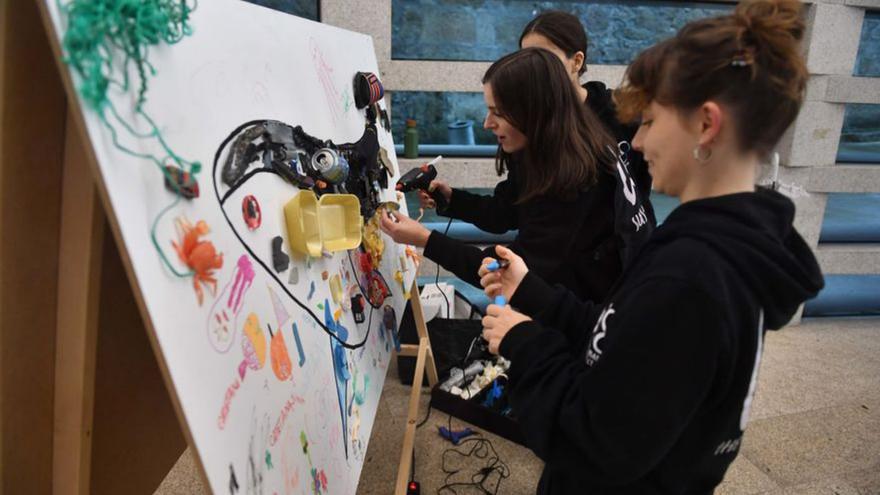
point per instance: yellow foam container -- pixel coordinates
(340, 221)
(303, 227)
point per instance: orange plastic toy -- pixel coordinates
(199, 255)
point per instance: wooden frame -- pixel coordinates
(92, 388)
(424, 358)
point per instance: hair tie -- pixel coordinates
(742, 59)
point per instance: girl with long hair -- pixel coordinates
(559, 192)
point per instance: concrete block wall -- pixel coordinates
(808, 150)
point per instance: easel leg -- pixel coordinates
(31, 148)
(79, 270)
(422, 330)
(424, 356)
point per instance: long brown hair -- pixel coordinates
(749, 60)
(566, 142)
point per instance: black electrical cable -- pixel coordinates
(480, 479)
(437, 277)
(412, 472)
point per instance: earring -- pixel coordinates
(702, 154)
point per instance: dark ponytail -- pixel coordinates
(562, 29)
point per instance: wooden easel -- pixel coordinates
(86, 385)
(82, 386)
(424, 357)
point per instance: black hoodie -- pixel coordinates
(655, 399)
(581, 244)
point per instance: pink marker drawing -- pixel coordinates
(325, 76)
(244, 278)
(222, 319)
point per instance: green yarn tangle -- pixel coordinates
(103, 40)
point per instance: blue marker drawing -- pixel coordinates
(299, 346)
(311, 291)
(340, 363)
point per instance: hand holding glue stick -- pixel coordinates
(499, 319)
(500, 279)
(502, 276)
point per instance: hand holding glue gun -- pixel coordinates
(432, 193)
(500, 279)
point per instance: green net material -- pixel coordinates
(103, 41)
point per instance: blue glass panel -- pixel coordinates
(860, 137)
(851, 217)
(868, 59)
(484, 30)
(434, 111)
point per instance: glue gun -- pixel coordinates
(420, 178)
(455, 436)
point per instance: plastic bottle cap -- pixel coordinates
(410, 122)
(500, 301)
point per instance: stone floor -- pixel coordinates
(815, 426)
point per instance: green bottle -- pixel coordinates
(411, 140)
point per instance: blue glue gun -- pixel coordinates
(455, 436)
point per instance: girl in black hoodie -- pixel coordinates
(560, 188)
(617, 219)
(656, 397)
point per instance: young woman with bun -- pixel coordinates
(650, 391)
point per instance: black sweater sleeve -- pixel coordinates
(614, 421)
(553, 306)
(495, 213)
(459, 258)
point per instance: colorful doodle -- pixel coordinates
(282, 417)
(289, 471)
(299, 346)
(254, 346)
(325, 76)
(281, 366)
(233, 482)
(281, 314)
(319, 478)
(244, 278)
(225, 309)
(340, 364)
(227, 402)
(255, 468)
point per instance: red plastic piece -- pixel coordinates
(250, 209)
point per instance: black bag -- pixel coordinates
(450, 340)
